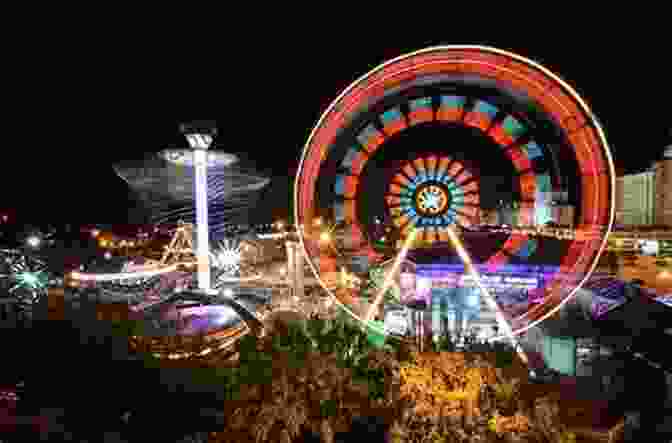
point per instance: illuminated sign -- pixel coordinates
(426, 283)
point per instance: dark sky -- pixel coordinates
(90, 107)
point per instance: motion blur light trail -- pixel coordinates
(418, 116)
(389, 279)
(127, 275)
(489, 299)
(164, 183)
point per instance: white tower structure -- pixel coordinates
(200, 140)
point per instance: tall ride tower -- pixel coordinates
(200, 136)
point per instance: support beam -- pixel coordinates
(200, 137)
(203, 243)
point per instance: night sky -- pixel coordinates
(128, 97)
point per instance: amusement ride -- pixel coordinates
(198, 276)
(418, 140)
(415, 141)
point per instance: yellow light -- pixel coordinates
(389, 278)
(95, 233)
(318, 221)
(325, 237)
(489, 299)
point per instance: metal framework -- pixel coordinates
(181, 246)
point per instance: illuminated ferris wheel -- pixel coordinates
(444, 121)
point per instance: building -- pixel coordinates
(645, 198)
(663, 189)
(635, 198)
(559, 213)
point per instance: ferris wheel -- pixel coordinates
(421, 138)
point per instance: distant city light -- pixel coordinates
(33, 241)
(95, 233)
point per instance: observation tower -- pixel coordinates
(165, 182)
(195, 185)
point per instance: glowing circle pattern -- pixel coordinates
(431, 200)
(430, 194)
(344, 134)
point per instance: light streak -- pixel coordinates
(389, 279)
(365, 86)
(492, 304)
(239, 279)
(126, 275)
